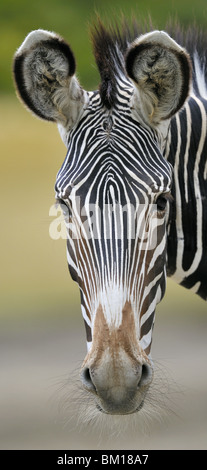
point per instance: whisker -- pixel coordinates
(77, 408)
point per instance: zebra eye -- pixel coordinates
(65, 209)
(161, 203)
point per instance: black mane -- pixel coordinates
(109, 47)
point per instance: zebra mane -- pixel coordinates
(110, 45)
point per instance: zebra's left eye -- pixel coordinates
(161, 203)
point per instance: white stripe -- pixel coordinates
(146, 340)
(196, 287)
(187, 150)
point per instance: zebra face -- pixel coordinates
(113, 187)
(114, 193)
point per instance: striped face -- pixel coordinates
(113, 187)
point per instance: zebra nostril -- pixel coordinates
(146, 376)
(87, 380)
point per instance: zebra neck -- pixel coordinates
(187, 224)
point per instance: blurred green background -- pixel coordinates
(36, 289)
(71, 19)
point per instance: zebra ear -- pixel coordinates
(44, 68)
(161, 70)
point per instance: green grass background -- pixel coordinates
(34, 277)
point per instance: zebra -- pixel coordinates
(133, 187)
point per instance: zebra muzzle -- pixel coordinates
(119, 387)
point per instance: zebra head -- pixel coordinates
(114, 187)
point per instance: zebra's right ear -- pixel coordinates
(44, 68)
(161, 71)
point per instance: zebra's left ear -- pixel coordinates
(161, 70)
